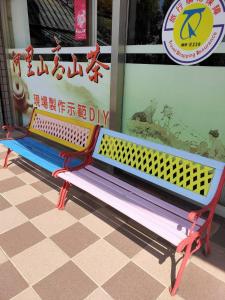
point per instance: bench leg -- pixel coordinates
(187, 255)
(207, 248)
(6, 158)
(62, 195)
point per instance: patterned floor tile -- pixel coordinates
(28, 294)
(53, 221)
(28, 178)
(88, 199)
(3, 257)
(218, 237)
(17, 170)
(20, 238)
(6, 174)
(10, 183)
(85, 202)
(133, 283)
(215, 227)
(52, 195)
(197, 284)
(104, 261)
(77, 209)
(166, 296)
(101, 254)
(76, 193)
(35, 207)
(3, 153)
(74, 239)
(39, 260)
(1, 163)
(3, 203)
(159, 262)
(68, 282)
(214, 263)
(2, 148)
(99, 294)
(96, 225)
(10, 218)
(110, 216)
(125, 241)
(42, 187)
(11, 281)
(20, 194)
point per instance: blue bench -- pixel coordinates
(44, 126)
(191, 177)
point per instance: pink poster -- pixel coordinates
(80, 20)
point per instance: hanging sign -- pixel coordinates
(80, 20)
(192, 29)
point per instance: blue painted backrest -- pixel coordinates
(187, 174)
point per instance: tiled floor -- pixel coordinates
(88, 251)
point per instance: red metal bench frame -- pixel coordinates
(195, 238)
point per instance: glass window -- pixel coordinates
(145, 28)
(104, 22)
(176, 105)
(145, 21)
(70, 82)
(49, 18)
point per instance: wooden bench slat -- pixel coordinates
(136, 208)
(165, 205)
(152, 206)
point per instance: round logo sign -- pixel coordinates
(192, 29)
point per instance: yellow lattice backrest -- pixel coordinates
(139, 158)
(63, 130)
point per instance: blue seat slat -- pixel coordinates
(36, 144)
(41, 158)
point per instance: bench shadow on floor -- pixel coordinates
(137, 233)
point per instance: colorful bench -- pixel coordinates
(64, 131)
(191, 177)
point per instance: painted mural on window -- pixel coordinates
(182, 107)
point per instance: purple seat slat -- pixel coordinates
(163, 222)
(153, 199)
